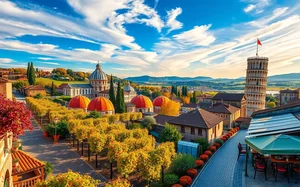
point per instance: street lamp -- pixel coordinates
(55, 136)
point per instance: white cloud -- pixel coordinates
(264, 21)
(51, 63)
(171, 22)
(249, 8)
(198, 36)
(45, 58)
(256, 5)
(6, 60)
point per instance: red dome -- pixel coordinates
(160, 100)
(79, 102)
(101, 104)
(141, 101)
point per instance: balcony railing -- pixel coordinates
(28, 182)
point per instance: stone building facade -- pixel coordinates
(256, 83)
(288, 95)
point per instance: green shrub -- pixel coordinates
(170, 179)
(93, 114)
(148, 122)
(170, 134)
(135, 126)
(181, 163)
(48, 168)
(203, 143)
(61, 128)
(219, 141)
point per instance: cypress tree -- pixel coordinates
(53, 89)
(122, 104)
(182, 91)
(31, 77)
(28, 69)
(112, 96)
(194, 99)
(118, 98)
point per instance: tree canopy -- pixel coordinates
(170, 134)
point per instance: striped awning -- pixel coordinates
(26, 162)
(273, 125)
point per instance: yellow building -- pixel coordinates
(198, 123)
(5, 88)
(5, 160)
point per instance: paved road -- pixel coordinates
(222, 171)
(60, 155)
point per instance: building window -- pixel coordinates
(219, 127)
(199, 131)
(192, 130)
(182, 129)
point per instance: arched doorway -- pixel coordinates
(6, 179)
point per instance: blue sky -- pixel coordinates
(151, 37)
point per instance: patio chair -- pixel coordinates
(260, 165)
(241, 150)
(296, 170)
(281, 168)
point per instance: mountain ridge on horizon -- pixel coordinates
(147, 78)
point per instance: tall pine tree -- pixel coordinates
(112, 96)
(53, 91)
(122, 103)
(28, 70)
(119, 99)
(194, 99)
(31, 77)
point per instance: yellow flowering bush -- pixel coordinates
(69, 179)
(118, 183)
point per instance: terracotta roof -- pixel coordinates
(223, 108)
(79, 102)
(282, 107)
(35, 87)
(27, 163)
(162, 119)
(141, 101)
(229, 96)
(64, 85)
(197, 118)
(101, 104)
(245, 120)
(160, 100)
(3, 80)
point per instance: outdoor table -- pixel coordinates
(292, 160)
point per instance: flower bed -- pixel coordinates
(204, 158)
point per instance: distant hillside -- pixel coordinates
(146, 78)
(285, 77)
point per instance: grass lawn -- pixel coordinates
(48, 82)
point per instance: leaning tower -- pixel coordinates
(256, 83)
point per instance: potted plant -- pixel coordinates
(15, 162)
(46, 132)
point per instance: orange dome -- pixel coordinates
(141, 101)
(79, 102)
(101, 104)
(160, 100)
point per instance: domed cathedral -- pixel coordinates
(99, 81)
(129, 93)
